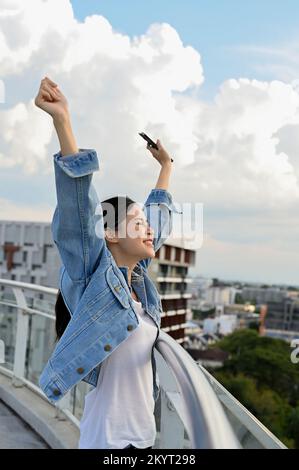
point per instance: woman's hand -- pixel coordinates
(51, 100)
(160, 155)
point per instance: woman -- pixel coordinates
(119, 411)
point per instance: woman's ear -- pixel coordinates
(110, 235)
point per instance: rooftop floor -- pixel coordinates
(28, 421)
(15, 433)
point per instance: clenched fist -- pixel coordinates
(51, 100)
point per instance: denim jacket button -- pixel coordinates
(80, 370)
(56, 391)
(130, 327)
(117, 288)
(107, 347)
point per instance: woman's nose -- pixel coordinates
(150, 231)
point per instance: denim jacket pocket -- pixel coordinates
(88, 302)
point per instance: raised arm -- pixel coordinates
(159, 206)
(78, 212)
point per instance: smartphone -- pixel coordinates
(150, 141)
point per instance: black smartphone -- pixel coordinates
(150, 141)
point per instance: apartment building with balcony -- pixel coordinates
(169, 270)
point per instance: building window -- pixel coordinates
(178, 254)
(45, 252)
(34, 266)
(187, 256)
(163, 269)
(167, 252)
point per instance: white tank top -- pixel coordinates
(120, 410)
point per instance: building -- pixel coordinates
(263, 295)
(28, 253)
(169, 270)
(197, 288)
(220, 295)
(221, 325)
(213, 357)
(281, 319)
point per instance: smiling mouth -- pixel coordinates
(148, 242)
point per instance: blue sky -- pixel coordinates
(214, 28)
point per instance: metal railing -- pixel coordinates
(190, 412)
(250, 431)
(195, 400)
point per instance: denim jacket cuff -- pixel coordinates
(78, 164)
(158, 196)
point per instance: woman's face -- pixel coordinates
(135, 236)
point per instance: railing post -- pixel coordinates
(171, 427)
(21, 338)
(2, 352)
(63, 404)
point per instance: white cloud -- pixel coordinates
(237, 161)
(24, 138)
(113, 82)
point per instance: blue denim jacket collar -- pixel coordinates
(136, 274)
(137, 280)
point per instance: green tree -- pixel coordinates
(292, 425)
(239, 299)
(260, 374)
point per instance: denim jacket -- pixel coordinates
(95, 289)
